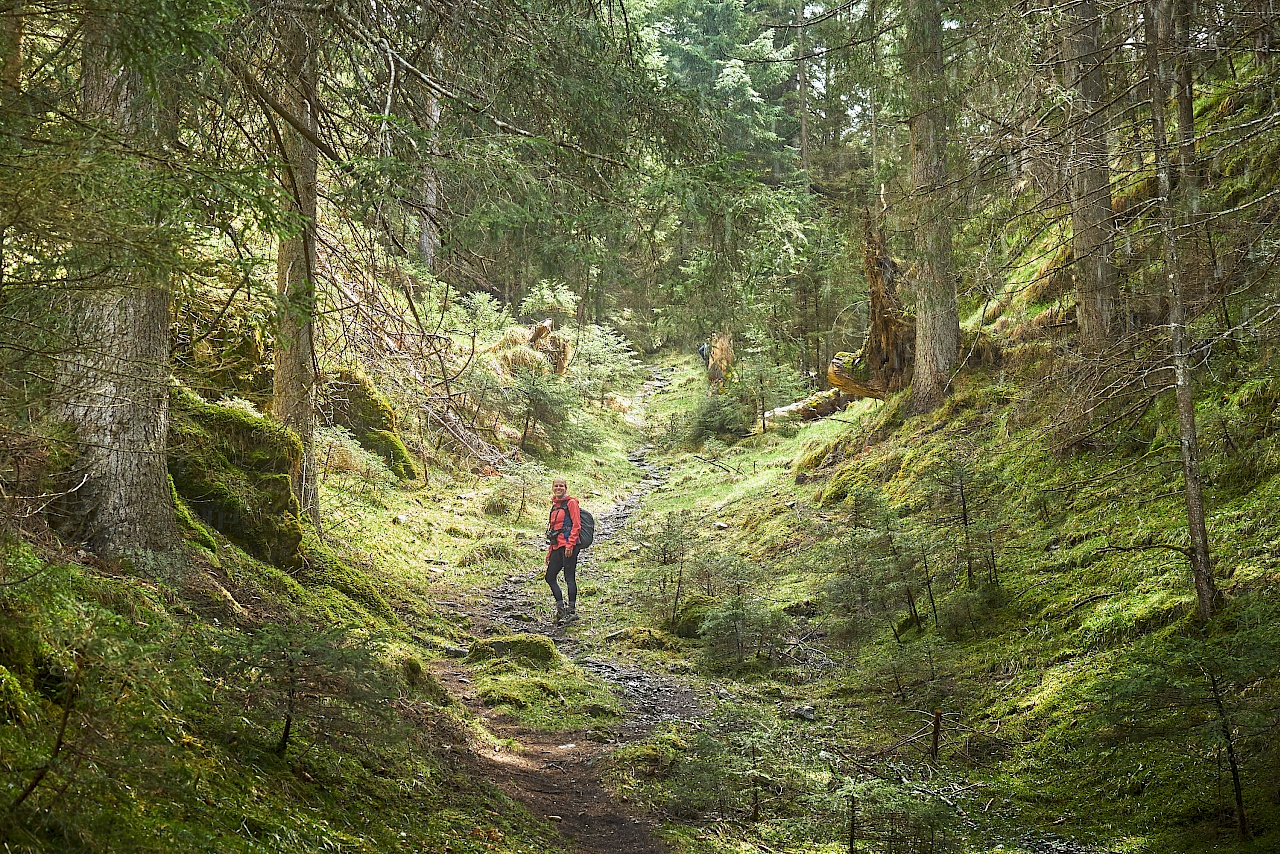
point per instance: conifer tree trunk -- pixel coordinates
(294, 384)
(429, 236)
(802, 87)
(1158, 23)
(113, 381)
(11, 30)
(1092, 220)
(1188, 178)
(937, 315)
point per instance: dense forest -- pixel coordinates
(918, 361)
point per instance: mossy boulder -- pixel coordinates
(387, 445)
(191, 527)
(357, 404)
(534, 651)
(690, 616)
(322, 568)
(231, 466)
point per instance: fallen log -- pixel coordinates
(843, 375)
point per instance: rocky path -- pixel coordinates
(557, 776)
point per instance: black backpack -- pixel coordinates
(586, 527)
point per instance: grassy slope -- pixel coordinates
(179, 686)
(1031, 677)
(1060, 711)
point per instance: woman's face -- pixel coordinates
(559, 489)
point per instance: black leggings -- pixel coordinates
(569, 564)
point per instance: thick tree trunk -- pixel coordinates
(937, 315)
(113, 381)
(1092, 221)
(11, 30)
(1207, 595)
(115, 393)
(293, 388)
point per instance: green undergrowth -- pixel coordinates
(273, 687)
(1055, 632)
(133, 719)
(526, 678)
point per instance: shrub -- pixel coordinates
(742, 626)
(717, 415)
(969, 612)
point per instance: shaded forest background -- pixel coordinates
(240, 241)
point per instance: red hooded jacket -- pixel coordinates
(569, 505)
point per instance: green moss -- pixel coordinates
(322, 568)
(15, 704)
(387, 445)
(537, 651)
(693, 610)
(192, 528)
(358, 405)
(843, 480)
(231, 466)
(362, 409)
(526, 677)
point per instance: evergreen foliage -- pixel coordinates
(933, 624)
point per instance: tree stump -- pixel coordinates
(883, 365)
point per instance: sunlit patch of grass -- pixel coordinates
(553, 696)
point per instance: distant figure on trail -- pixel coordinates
(705, 352)
(564, 527)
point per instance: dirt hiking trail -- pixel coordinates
(557, 775)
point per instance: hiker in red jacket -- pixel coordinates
(563, 529)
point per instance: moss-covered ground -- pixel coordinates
(1075, 692)
(207, 700)
(825, 584)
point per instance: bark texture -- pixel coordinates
(1092, 221)
(429, 236)
(937, 315)
(113, 381)
(11, 31)
(294, 386)
(114, 391)
(883, 365)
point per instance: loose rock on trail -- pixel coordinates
(557, 776)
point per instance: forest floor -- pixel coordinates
(558, 775)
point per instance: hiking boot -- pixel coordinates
(561, 613)
(571, 613)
